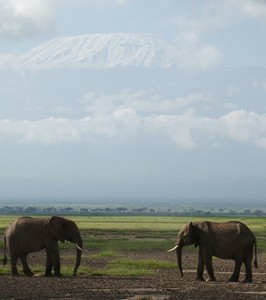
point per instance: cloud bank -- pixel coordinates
(25, 18)
(186, 131)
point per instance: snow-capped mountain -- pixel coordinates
(102, 51)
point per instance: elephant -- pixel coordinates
(27, 235)
(230, 240)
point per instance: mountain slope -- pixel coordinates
(102, 51)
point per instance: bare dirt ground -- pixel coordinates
(163, 285)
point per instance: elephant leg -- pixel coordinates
(248, 263)
(49, 264)
(53, 259)
(56, 260)
(207, 258)
(200, 268)
(25, 265)
(235, 275)
(14, 270)
(209, 268)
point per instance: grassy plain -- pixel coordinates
(155, 232)
(110, 237)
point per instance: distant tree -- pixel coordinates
(258, 212)
(139, 211)
(18, 210)
(152, 211)
(121, 210)
(8, 209)
(31, 210)
(50, 210)
(232, 212)
(199, 212)
(67, 210)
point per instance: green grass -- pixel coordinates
(144, 233)
(124, 244)
(148, 264)
(138, 233)
(130, 267)
(108, 253)
(111, 237)
(140, 224)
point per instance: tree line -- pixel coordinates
(123, 211)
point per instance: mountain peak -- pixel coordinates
(102, 51)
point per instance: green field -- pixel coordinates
(140, 233)
(112, 236)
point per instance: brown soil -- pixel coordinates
(163, 285)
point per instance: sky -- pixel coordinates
(199, 136)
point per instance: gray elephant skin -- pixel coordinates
(27, 235)
(230, 240)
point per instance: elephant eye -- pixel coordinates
(182, 235)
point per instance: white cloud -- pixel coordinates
(243, 126)
(261, 143)
(63, 109)
(222, 12)
(259, 84)
(254, 8)
(230, 106)
(178, 128)
(188, 38)
(203, 58)
(190, 32)
(112, 2)
(195, 28)
(186, 131)
(127, 122)
(142, 101)
(119, 117)
(119, 125)
(94, 2)
(19, 18)
(190, 131)
(48, 131)
(232, 90)
(26, 18)
(8, 61)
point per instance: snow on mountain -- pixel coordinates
(102, 51)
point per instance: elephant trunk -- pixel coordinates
(179, 259)
(78, 259)
(79, 249)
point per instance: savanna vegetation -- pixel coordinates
(108, 238)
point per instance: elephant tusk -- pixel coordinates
(81, 249)
(173, 248)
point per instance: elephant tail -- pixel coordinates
(4, 260)
(255, 260)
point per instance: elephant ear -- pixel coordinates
(193, 233)
(55, 227)
(190, 225)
